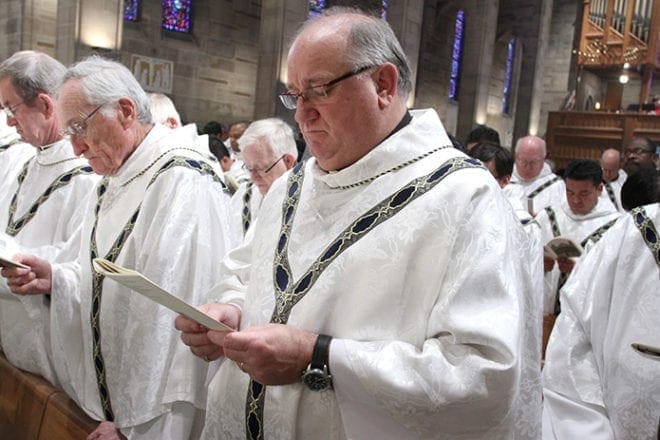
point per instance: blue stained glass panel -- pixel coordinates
(176, 15)
(131, 10)
(383, 10)
(457, 55)
(316, 7)
(508, 76)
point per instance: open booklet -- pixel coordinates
(139, 283)
(562, 247)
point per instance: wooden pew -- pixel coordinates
(32, 409)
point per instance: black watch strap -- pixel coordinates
(321, 353)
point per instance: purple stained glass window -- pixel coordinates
(383, 10)
(316, 7)
(131, 10)
(176, 15)
(508, 76)
(457, 55)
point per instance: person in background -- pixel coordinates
(269, 150)
(532, 179)
(375, 297)
(481, 133)
(640, 188)
(161, 209)
(613, 176)
(599, 380)
(640, 153)
(163, 110)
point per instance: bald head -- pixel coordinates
(610, 162)
(530, 154)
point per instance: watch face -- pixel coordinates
(316, 380)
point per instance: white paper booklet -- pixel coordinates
(144, 286)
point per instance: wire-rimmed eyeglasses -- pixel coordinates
(78, 128)
(260, 172)
(11, 112)
(317, 93)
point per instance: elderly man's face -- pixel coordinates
(338, 129)
(264, 167)
(638, 155)
(529, 161)
(102, 138)
(31, 124)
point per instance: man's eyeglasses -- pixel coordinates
(317, 93)
(636, 152)
(78, 128)
(260, 172)
(11, 112)
(529, 163)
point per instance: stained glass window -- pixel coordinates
(131, 10)
(508, 76)
(176, 15)
(316, 7)
(457, 55)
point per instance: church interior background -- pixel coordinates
(504, 63)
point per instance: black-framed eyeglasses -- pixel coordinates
(636, 152)
(78, 128)
(11, 112)
(261, 172)
(317, 93)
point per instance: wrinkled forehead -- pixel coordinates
(639, 143)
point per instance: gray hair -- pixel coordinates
(371, 42)
(32, 73)
(104, 82)
(162, 108)
(275, 132)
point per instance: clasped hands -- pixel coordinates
(565, 265)
(272, 354)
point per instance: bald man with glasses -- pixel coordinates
(375, 296)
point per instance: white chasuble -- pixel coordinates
(163, 214)
(596, 386)
(435, 335)
(544, 190)
(41, 214)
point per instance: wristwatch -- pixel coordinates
(317, 375)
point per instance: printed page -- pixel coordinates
(144, 286)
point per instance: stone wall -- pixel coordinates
(27, 24)
(215, 68)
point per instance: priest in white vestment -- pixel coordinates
(375, 296)
(613, 177)
(13, 152)
(161, 210)
(269, 150)
(582, 216)
(40, 205)
(597, 386)
(533, 182)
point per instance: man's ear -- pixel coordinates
(45, 104)
(289, 161)
(127, 110)
(386, 78)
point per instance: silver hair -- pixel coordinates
(162, 108)
(371, 42)
(104, 81)
(32, 73)
(277, 134)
